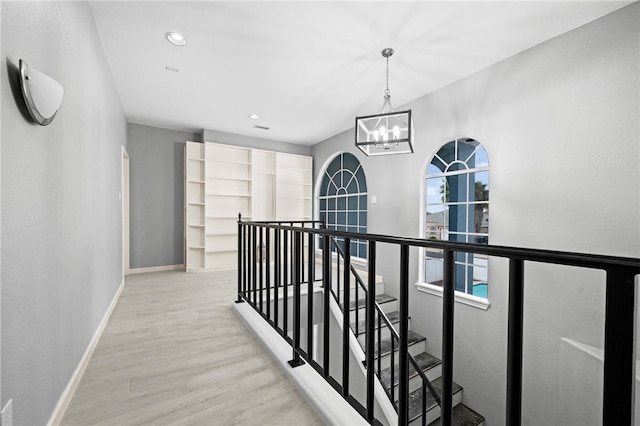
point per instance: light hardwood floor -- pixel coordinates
(174, 352)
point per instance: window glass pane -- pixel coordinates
(362, 182)
(436, 167)
(480, 180)
(331, 218)
(362, 218)
(349, 162)
(352, 218)
(331, 189)
(352, 203)
(457, 188)
(334, 166)
(341, 218)
(324, 185)
(466, 148)
(363, 202)
(435, 193)
(446, 153)
(341, 203)
(481, 158)
(331, 204)
(352, 184)
(323, 204)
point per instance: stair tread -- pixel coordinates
(415, 398)
(380, 299)
(425, 362)
(461, 415)
(394, 318)
(412, 338)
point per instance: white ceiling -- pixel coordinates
(308, 68)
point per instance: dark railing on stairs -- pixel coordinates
(271, 258)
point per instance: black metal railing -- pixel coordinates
(282, 244)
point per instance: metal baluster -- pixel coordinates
(297, 263)
(403, 348)
(370, 322)
(346, 319)
(277, 276)
(239, 298)
(285, 289)
(261, 259)
(311, 277)
(447, 338)
(326, 283)
(619, 357)
(268, 271)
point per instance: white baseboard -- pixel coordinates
(156, 269)
(67, 394)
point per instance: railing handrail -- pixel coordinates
(584, 260)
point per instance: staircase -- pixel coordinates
(387, 359)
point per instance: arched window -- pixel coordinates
(342, 199)
(457, 209)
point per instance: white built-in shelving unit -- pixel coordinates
(222, 181)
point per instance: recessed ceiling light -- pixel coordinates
(175, 38)
(254, 117)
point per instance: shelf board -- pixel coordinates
(261, 172)
(229, 195)
(221, 250)
(196, 247)
(244, 163)
(195, 181)
(295, 169)
(195, 226)
(228, 178)
(197, 204)
(228, 217)
(222, 234)
(196, 159)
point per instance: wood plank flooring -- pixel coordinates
(174, 352)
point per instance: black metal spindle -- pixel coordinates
(346, 319)
(245, 261)
(276, 276)
(379, 343)
(514, 343)
(261, 273)
(310, 279)
(326, 283)
(297, 269)
(285, 283)
(619, 336)
(369, 326)
(267, 265)
(254, 266)
(424, 403)
(393, 367)
(403, 347)
(447, 338)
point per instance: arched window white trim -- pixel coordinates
(455, 207)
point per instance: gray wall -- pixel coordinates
(157, 195)
(61, 212)
(251, 142)
(560, 123)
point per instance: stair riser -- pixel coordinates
(414, 350)
(434, 412)
(386, 307)
(415, 382)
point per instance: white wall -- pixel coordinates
(561, 128)
(61, 212)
